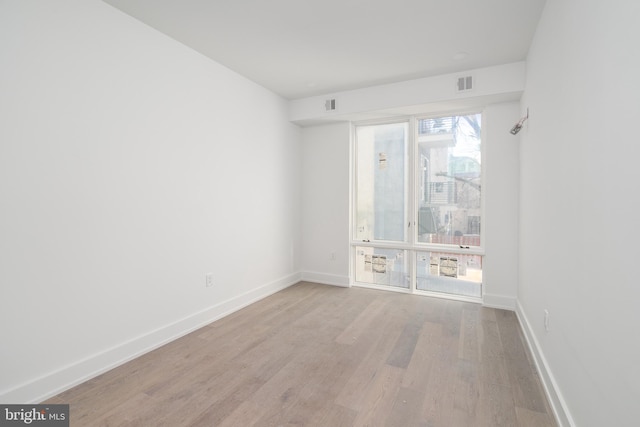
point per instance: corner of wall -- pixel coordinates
(326, 279)
(555, 397)
(502, 302)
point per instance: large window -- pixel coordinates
(418, 205)
(381, 176)
(449, 209)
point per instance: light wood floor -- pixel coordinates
(316, 355)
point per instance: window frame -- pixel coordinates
(411, 243)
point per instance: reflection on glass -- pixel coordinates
(382, 267)
(450, 273)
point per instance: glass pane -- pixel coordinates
(382, 267)
(450, 176)
(450, 273)
(381, 182)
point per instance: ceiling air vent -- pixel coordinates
(464, 84)
(330, 105)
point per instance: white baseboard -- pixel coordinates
(557, 401)
(326, 279)
(80, 371)
(499, 301)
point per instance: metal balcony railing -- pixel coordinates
(436, 126)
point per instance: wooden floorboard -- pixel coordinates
(316, 355)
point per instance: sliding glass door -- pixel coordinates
(418, 205)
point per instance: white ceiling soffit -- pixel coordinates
(301, 48)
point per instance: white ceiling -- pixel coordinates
(300, 48)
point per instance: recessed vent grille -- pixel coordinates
(464, 84)
(330, 105)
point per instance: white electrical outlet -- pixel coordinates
(546, 320)
(208, 280)
(332, 256)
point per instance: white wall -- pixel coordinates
(578, 201)
(130, 166)
(492, 84)
(500, 222)
(325, 201)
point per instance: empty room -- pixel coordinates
(336, 213)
